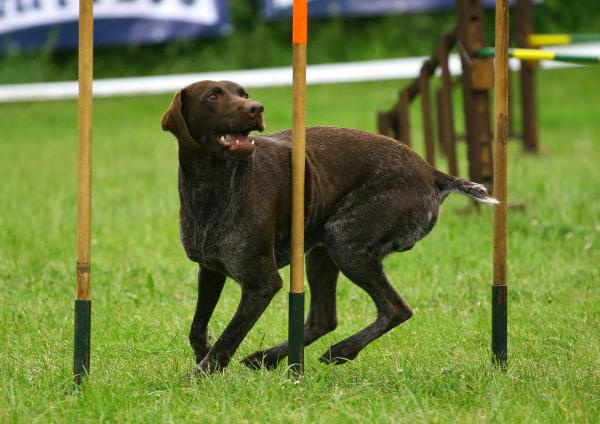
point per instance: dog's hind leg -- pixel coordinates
(210, 285)
(322, 278)
(256, 296)
(367, 272)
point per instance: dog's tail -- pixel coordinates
(447, 183)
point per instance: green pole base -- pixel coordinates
(499, 324)
(81, 351)
(296, 334)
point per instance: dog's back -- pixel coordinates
(343, 158)
(396, 194)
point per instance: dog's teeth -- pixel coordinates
(223, 138)
(252, 141)
(237, 141)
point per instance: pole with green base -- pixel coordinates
(83, 304)
(296, 305)
(499, 287)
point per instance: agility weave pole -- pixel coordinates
(83, 304)
(535, 54)
(499, 286)
(296, 296)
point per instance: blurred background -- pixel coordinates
(38, 38)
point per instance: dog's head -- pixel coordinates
(215, 117)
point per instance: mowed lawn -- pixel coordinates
(434, 368)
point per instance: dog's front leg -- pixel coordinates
(210, 285)
(255, 298)
(322, 276)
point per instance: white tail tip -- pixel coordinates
(489, 200)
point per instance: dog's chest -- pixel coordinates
(206, 226)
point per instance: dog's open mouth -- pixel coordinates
(236, 142)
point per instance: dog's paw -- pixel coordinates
(336, 357)
(261, 359)
(206, 367)
(200, 354)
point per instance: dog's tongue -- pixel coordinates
(237, 143)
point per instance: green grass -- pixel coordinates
(434, 368)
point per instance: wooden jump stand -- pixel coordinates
(477, 81)
(396, 122)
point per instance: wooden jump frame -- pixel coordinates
(397, 120)
(476, 80)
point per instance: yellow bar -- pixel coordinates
(532, 54)
(538, 40)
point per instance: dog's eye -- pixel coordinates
(245, 95)
(212, 97)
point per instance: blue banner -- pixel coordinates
(54, 23)
(274, 9)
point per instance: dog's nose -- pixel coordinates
(254, 107)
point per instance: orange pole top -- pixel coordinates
(299, 22)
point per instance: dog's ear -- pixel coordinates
(174, 121)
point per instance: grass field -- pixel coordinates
(434, 368)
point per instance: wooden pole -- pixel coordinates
(296, 299)
(427, 119)
(383, 123)
(404, 118)
(81, 356)
(446, 108)
(477, 81)
(499, 286)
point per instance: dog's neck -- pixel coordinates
(203, 171)
(208, 180)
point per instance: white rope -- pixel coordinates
(374, 70)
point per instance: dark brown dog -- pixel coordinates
(366, 196)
